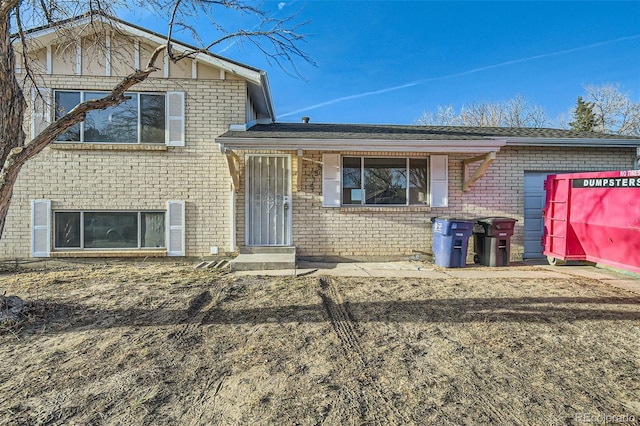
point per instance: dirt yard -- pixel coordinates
(153, 344)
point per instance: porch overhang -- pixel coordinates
(476, 146)
(485, 150)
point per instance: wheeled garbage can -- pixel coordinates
(492, 240)
(451, 240)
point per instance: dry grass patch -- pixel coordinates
(167, 344)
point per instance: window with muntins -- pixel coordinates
(380, 181)
(140, 119)
(108, 230)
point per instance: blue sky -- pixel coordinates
(389, 61)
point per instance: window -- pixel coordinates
(384, 181)
(140, 119)
(108, 230)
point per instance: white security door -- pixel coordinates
(268, 200)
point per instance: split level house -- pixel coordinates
(195, 164)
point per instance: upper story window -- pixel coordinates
(141, 119)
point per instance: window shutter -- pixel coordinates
(40, 110)
(331, 180)
(175, 228)
(175, 118)
(40, 228)
(439, 181)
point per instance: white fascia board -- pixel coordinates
(266, 91)
(461, 146)
(573, 142)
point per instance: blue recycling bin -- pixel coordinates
(451, 240)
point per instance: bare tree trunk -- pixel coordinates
(12, 109)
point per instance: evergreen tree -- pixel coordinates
(584, 118)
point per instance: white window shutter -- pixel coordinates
(331, 180)
(175, 228)
(439, 181)
(175, 118)
(40, 228)
(40, 110)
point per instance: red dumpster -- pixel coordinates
(594, 217)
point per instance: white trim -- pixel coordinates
(383, 145)
(107, 53)
(136, 54)
(18, 63)
(177, 230)
(49, 61)
(41, 108)
(174, 117)
(439, 185)
(40, 230)
(165, 66)
(232, 220)
(331, 180)
(222, 74)
(194, 69)
(242, 127)
(575, 142)
(79, 57)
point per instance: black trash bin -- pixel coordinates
(492, 240)
(450, 241)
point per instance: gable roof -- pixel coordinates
(257, 81)
(375, 137)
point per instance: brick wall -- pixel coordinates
(138, 179)
(387, 232)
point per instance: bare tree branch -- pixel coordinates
(614, 110)
(276, 38)
(515, 112)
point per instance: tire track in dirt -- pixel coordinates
(202, 403)
(375, 406)
(199, 310)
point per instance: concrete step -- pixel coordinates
(267, 249)
(263, 261)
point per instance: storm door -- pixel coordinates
(268, 200)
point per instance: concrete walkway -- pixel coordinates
(409, 269)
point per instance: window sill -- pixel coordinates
(109, 253)
(108, 146)
(382, 209)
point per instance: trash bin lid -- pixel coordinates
(452, 219)
(492, 220)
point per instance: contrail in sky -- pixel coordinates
(458, 74)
